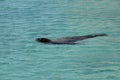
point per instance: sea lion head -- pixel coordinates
(43, 40)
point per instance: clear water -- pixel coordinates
(22, 58)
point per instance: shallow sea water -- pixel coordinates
(22, 58)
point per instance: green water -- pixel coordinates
(22, 58)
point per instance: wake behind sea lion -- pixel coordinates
(68, 40)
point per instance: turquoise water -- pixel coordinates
(22, 58)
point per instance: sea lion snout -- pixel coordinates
(37, 39)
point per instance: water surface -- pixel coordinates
(22, 58)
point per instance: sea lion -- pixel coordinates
(68, 40)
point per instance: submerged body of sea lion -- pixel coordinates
(68, 40)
